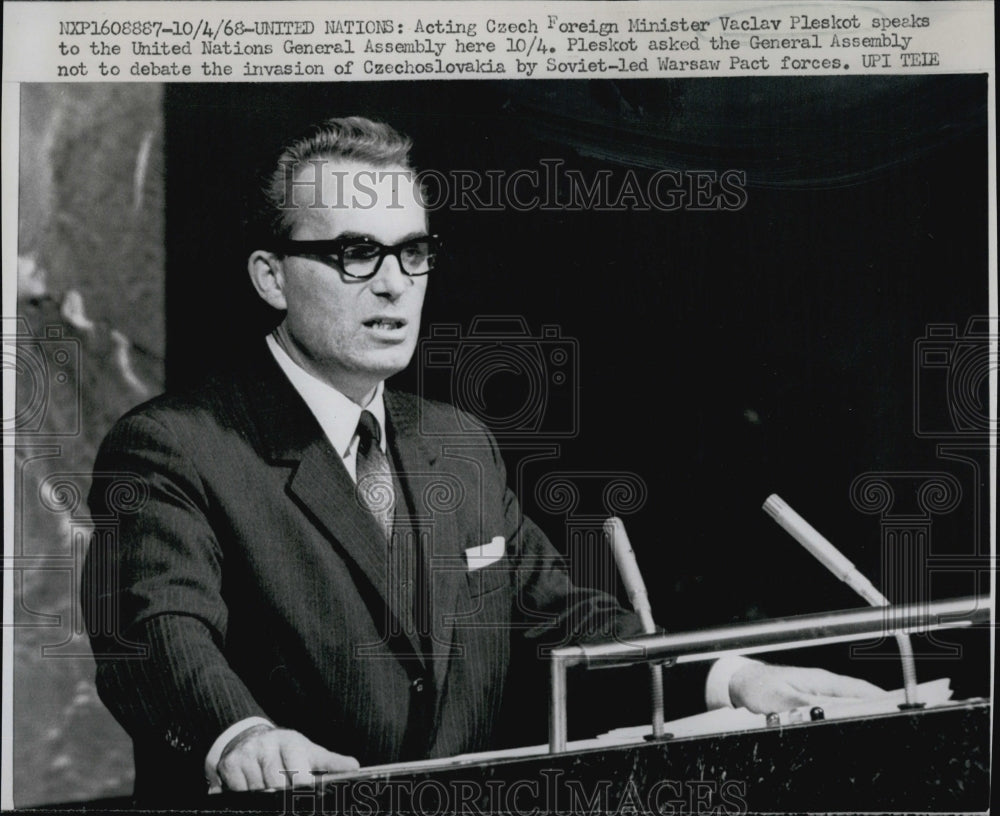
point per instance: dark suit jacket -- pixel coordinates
(240, 577)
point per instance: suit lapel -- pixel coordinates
(289, 432)
(420, 467)
(324, 488)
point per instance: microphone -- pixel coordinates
(628, 569)
(635, 587)
(828, 555)
(835, 561)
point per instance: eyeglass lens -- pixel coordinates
(365, 258)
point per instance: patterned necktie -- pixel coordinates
(375, 491)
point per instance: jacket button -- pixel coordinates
(418, 685)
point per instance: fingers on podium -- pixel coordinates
(273, 758)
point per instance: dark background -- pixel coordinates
(722, 355)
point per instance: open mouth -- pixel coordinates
(384, 323)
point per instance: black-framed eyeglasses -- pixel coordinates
(361, 258)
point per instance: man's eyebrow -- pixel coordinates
(354, 236)
(364, 236)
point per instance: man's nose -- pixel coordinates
(390, 280)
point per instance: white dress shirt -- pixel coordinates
(336, 414)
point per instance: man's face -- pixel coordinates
(354, 333)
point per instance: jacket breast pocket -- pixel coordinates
(487, 580)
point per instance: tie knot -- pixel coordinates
(369, 432)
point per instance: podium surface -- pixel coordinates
(931, 760)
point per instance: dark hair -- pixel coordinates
(351, 138)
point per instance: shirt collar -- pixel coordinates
(337, 415)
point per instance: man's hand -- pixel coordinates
(764, 689)
(264, 757)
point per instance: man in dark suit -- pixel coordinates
(315, 564)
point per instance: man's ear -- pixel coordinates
(268, 278)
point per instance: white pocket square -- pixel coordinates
(485, 554)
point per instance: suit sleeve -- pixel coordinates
(151, 594)
(560, 612)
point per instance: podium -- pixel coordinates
(909, 758)
(905, 759)
(917, 761)
(931, 760)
